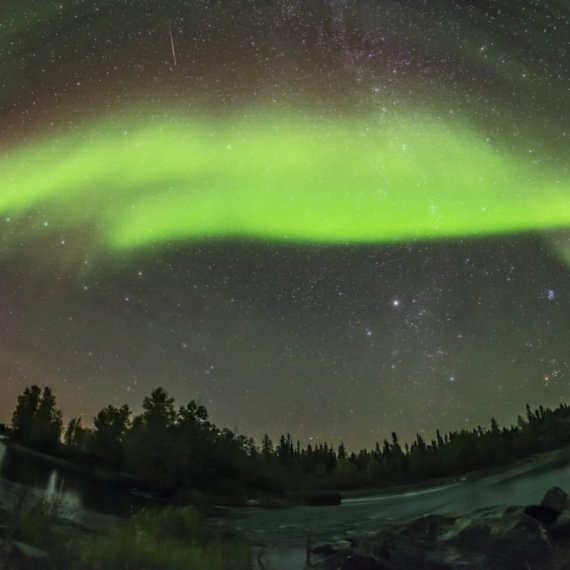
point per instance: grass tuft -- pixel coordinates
(173, 538)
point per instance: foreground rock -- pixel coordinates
(16, 555)
(496, 538)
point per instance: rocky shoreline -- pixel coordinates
(535, 537)
(17, 554)
(493, 538)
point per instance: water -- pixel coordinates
(523, 485)
(91, 502)
(83, 498)
(284, 531)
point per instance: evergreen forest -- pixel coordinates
(179, 453)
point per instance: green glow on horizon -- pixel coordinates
(283, 177)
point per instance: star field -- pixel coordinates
(336, 219)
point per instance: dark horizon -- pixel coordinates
(453, 326)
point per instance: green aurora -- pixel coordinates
(287, 177)
(330, 218)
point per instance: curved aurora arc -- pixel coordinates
(283, 177)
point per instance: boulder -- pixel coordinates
(324, 550)
(354, 561)
(30, 552)
(430, 527)
(335, 547)
(495, 538)
(546, 515)
(555, 498)
(401, 553)
(19, 555)
(560, 530)
(553, 503)
(522, 547)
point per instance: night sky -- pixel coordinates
(333, 218)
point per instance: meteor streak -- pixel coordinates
(172, 42)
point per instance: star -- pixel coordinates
(264, 204)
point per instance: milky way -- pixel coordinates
(335, 219)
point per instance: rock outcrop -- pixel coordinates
(16, 555)
(497, 538)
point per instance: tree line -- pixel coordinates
(178, 452)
